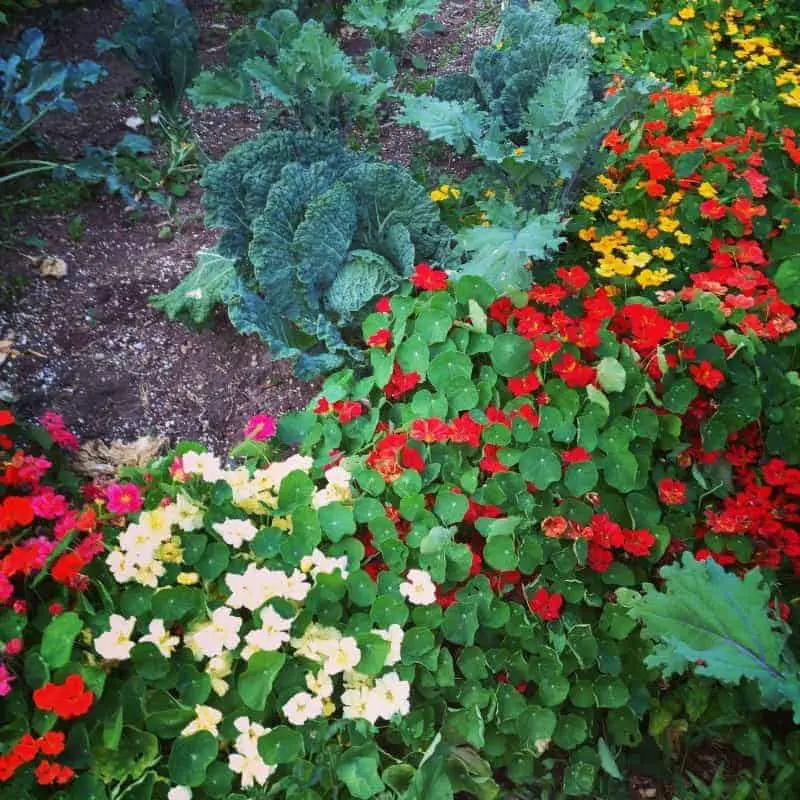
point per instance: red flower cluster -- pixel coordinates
(345, 410)
(27, 749)
(392, 454)
(66, 700)
(428, 279)
(546, 605)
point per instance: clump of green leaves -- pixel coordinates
(312, 232)
(298, 66)
(159, 38)
(32, 88)
(389, 23)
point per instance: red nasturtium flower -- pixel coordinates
(430, 430)
(706, 375)
(66, 700)
(429, 279)
(381, 338)
(671, 492)
(576, 455)
(6, 417)
(546, 605)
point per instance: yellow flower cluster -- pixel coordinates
(445, 192)
(791, 78)
(756, 51)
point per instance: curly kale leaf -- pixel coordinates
(719, 625)
(207, 285)
(160, 40)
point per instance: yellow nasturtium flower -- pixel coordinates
(591, 202)
(665, 253)
(653, 277)
(683, 238)
(687, 13)
(706, 190)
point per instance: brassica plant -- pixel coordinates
(311, 233)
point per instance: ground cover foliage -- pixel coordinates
(537, 534)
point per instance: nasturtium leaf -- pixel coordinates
(611, 375)
(58, 638)
(417, 642)
(255, 683)
(611, 692)
(579, 778)
(540, 466)
(553, 690)
(358, 770)
(536, 725)
(337, 521)
(389, 610)
(581, 694)
(679, 395)
(500, 554)
(219, 781)
(281, 745)
(214, 561)
(433, 325)
(190, 757)
(623, 727)
(175, 602)
(581, 478)
(435, 541)
(374, 650)
(446, 367)
(511, 354)
(295, 490)
(620, 469)
(464, 726)
(570, 731)
(460, 622)
(413, 354)
(787, 279)
(607, 760)
(450, 507)
(361, 589)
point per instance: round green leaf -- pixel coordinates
(281, 745)
(540, 466)
(190, 757)
(580, 478)
(58, 638)
(255, 683)
(570, 731)
(511, 354)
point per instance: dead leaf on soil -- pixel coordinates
(98, 459)
(52, 267)
(7, 347)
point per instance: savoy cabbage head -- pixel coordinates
(311, 233)
(529, 107)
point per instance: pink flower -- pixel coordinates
(6, 589)
(14, 646)
(177, 471)
(54, 424)
(33, 469)
(260, 427)
(123, 498)
(5, 681)
(49, 505)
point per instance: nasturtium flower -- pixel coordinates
(207, 718)
(591, 202)
(115, 644)
(418, 588)
(159, 636)
(123, 498)
(302, 707)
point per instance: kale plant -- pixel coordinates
(389, 22)
(32, 88)
(311, 233)
(299, 66)
(530, 107)
(159, 38)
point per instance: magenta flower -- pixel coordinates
(5, 680)
(123, 498)
(260, 427)
(49, 505)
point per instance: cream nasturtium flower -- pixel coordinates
(302, 707)
(341, 656)
(115, 644)
(272, 635)
(236, 531)
(159, 636)
(179, 793)
(211, 638)
(419, 589)
(206, 719)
